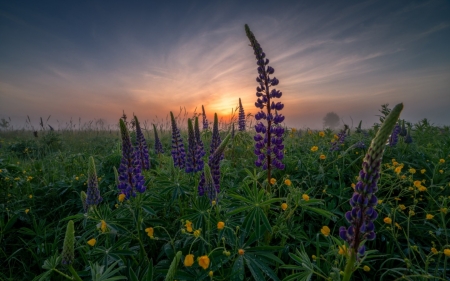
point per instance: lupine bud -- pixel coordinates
(83, 197)
(158, 145)
(68, 252)
(141, 146)
(393, 139)
(93, 197)
(198, 139)
(205, 121)
(215, 141)
(194, 162)
(336, 145)
(241, 117)
(178, 152)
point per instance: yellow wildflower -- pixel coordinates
(441, 171)
(412, 213)
(26, 211)
(211, 273)
(429, 216)
(321, 134)
(380, 201)
(76, 178)
(189, 260)
(443, 210)
(103, 226)
(336, 137)
(150, 232)
(434, 251)
(197, 233)
(284, 206)
(30, 196)
(121, 197)
(325, 230)
(188, 226)
(423, 171)
(305, 197)
(314, 257)
(342, 250)
(322, 157)
(422, 188)
(92, 242)
(447, 252)
(402, 207)
(220, 225)
(442, 161)
(314, 148)
(387, 220)
(287, 182)
(412, 170)
(366, 268)
(203, 261)
(273, 181)
(398, 170)
(241, 251)
(398, 226)
(353, 185)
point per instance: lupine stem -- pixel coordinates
(349, 267)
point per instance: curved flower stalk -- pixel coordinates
(241, 117)
(158, 145)
(393, 139)
(364, 201)
(214, 164)
(269, 142)
(205, 121)
(178, 152)
(93, 197)
(130, 177)
(198, 138)
(336, 145)
(141, 146)
(194, 161)
(215, 141)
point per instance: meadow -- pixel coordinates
(178, 202)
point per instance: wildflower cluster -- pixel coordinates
(269, 142)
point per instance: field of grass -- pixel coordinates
(284, 229)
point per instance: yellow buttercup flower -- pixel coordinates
(387, 220)
(325, 230)
(423, 171)
(434, 251)
(443, 210)
(26, 211)
(241, 251)
(92, 242)
(305, 197)
(103, 226)
(220, 225)
(273, 181)
(287, 182)
(353, 185)
(314, 257)
(429, 216)
(203, 261)
(322, 157)
(188, 226)
(121, 197)
(30, 196)
(398, 170)
(366, 268)
(321, 134)
(447, 252)
(284, 206)
(211, 273)
(189, 260)
(412, 170)
(314, 148)
(441, 171)
(442, 161)
(197, 233)
(342, 250)
(402, 207)
(150, 232)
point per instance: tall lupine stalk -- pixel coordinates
(209, 186)
(241, 117)
(336, 145)
(214, 165)
(198, 138)
(205, 121)
(93, 197)
(141, 146)
(178, 152)
(215, 140)
(364, 201)
(158, 145)
(130, 177)
(194, 161)
(269, 143)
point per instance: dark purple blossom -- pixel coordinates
(93, 197)
(215, 140)
(198, 138)
(178, 152)
(336, 145)
(393, 139)
(205, 121)
(269, 133)
(158, 144)
(194, 161)
(130, 177)
(408, 139)
(241, 117)
(141, 146)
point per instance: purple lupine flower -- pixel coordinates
(241, 116)
(403, 131)
(269, 139)
(130, 176)
(93, 197)
(214, 164)
(198, 139)
(363, 200)
(205, 121)
(393, 139)
(408, 139)
(141, 146)
(336, 145)
(209, 186)
(178, 153)
(194, 161)
(215, 140)
(158, 144)
(232, 131)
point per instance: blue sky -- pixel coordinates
(93, 59)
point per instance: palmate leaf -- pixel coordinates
(98, 272)
(306, 267)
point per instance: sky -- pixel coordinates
(91, 60)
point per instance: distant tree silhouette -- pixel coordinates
(331, 120)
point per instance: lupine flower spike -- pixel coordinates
(364, 201)
(408, 139)
(209, 187)
(241, 117)
(158, 145)
(141, 146)
(194, 162)
(198, 138)
(130, 177)
(68, 252)
(93, 197)
(205, 121)
(393, 139)
(336, 145)
(83, 197)
(214, 164)
(215, 141)
(269, 142)
(178, 152)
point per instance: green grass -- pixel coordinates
(41, 180)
